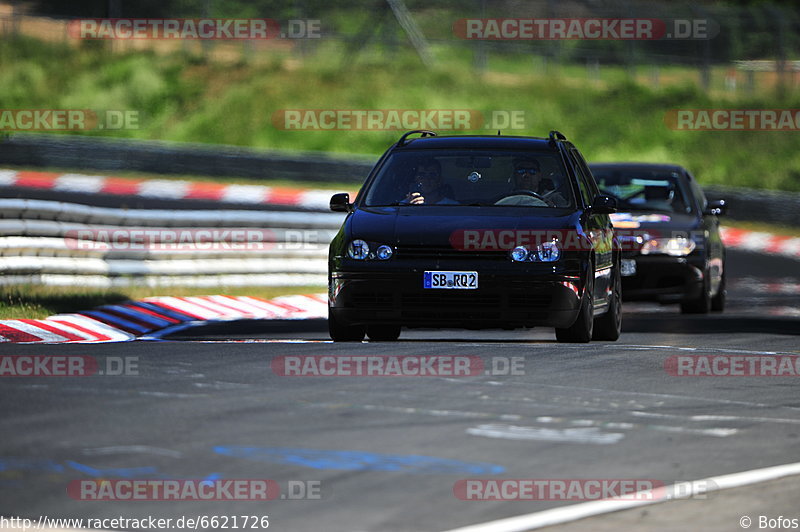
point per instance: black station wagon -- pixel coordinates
(476, 232)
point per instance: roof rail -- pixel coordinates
(424, 133)
(556, 135)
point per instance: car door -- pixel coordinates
(598, 229)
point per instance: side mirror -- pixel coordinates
(716, 208)
(341, 202)
(603, 204)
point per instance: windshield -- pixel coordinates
(471, 177)
(645, 190)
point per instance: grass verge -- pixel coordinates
(187, 98)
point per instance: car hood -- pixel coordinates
(433, 226)
(654, 223)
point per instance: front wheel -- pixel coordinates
(580, 332)
(701, 304)
(343, 332)
(609, 325)
(718, 301)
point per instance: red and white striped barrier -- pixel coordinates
(175, 189)
(128, 321)
(759, 242)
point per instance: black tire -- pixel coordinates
(383, 333)
(343, 332)
(609, 325)
(702, 304)
(580, 332)
(718, 301)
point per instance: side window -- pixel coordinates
(587, 174)
(586, 192)
(698, 192)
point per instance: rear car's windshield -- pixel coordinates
(471, 177)
(645, 190)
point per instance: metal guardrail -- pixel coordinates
(19, 210)
(751, 205)
(55, 243)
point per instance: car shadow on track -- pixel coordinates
(673, 323)
(317, 330)
(239, 329)
(709, 324)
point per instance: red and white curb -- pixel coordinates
(760, 242)
(152, 316)
(169, 189)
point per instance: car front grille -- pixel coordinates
(450, 254)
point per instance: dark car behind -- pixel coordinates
(669, 233)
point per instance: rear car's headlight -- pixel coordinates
(675, 247)
(360, 250)
(544, 252)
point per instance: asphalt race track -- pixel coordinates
(387, 451)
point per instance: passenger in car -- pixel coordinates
(527, 175)
(427, 187)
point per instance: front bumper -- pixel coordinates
(663, 278)
(513, 296)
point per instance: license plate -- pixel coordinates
(627, 267)
(451, 280)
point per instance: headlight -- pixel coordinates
(549, 251)
(544, 252)
(358, 249)
(519, 254)
(674, 247)
(384, 252)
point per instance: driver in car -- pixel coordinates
(527, 176)
(427, 187)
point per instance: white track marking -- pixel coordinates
(136, 449)
(566, 514)
(717, 418)
(666, 396)
(572, 435)
(719, 432)
(438, 413)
